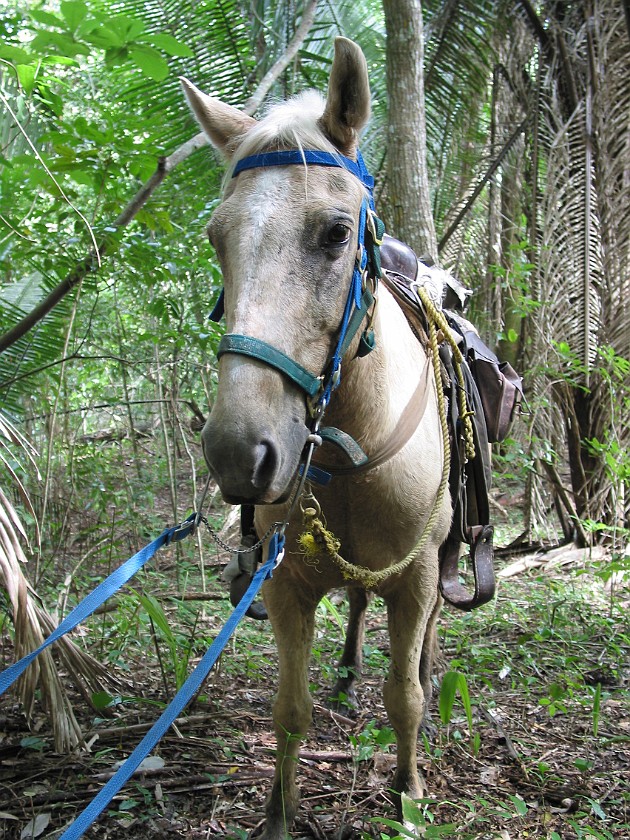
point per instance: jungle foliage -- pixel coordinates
(526, 113)
(107, 280)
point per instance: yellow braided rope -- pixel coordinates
(317, 539)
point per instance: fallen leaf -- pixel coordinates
(35, 827)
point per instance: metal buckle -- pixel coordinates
(184, 529)
(315, 404)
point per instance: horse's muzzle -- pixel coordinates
(252, 466)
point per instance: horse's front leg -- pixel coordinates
(292, 614)
(412, 613)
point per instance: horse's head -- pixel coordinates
(286, 238)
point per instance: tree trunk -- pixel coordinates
(410, 213)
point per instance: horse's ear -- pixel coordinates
(348, 102)
(224, 125)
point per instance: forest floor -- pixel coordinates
(548, 754)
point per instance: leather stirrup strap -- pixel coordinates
(481, 553)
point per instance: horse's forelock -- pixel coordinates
(287, 125)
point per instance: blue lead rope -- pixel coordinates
(180, 701)
(98, 596)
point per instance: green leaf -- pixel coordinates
(149, 61)
(448, 690)
(26, 75)
(128, 804)
(101, 700)
(116, 56)
(411, 811)
(74, 11)
(462, 685)
(155, 611)
(597, 808)
(103, 37)
(169, 45)
(65, 44)
(14, 54)
(519, 804)
(45, 17)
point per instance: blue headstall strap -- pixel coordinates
(293, 157)
(360, 297)
(312, 157)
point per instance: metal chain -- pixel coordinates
(240, 550)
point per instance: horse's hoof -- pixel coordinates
(343, 704)
(429, 729)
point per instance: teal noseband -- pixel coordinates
(245, 345)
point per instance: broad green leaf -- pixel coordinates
(116, 56)
(411, 811)
(103, 37)
(519, 804)
(45, 17)
(128, 28)
(74, 11)
(14, 54)
(462, 685)
(169, 44)
(101, 700)
(149, 61)
(64, 60)
(65, 44)
(448, 690)
(26, 75)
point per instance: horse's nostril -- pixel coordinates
(265, 464)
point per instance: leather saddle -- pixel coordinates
(469, 481)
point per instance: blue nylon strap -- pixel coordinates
(307, 156)
(98, 596)
(179, 702)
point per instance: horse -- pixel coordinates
(288, 235)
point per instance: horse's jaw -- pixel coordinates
(255, 435)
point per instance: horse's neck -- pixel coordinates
(376, 388)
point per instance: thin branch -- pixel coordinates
(254, 101)
(164, 168)
(46, 169)
(475, 193)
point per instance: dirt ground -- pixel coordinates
(529, 771)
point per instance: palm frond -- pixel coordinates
(32, 624)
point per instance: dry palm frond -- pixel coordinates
(32, 624)
(584, 247)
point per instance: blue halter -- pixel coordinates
(319, 388)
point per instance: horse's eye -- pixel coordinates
(338, 235)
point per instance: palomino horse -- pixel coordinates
(286, 234)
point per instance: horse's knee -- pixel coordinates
(405, 705)
(292, 716)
